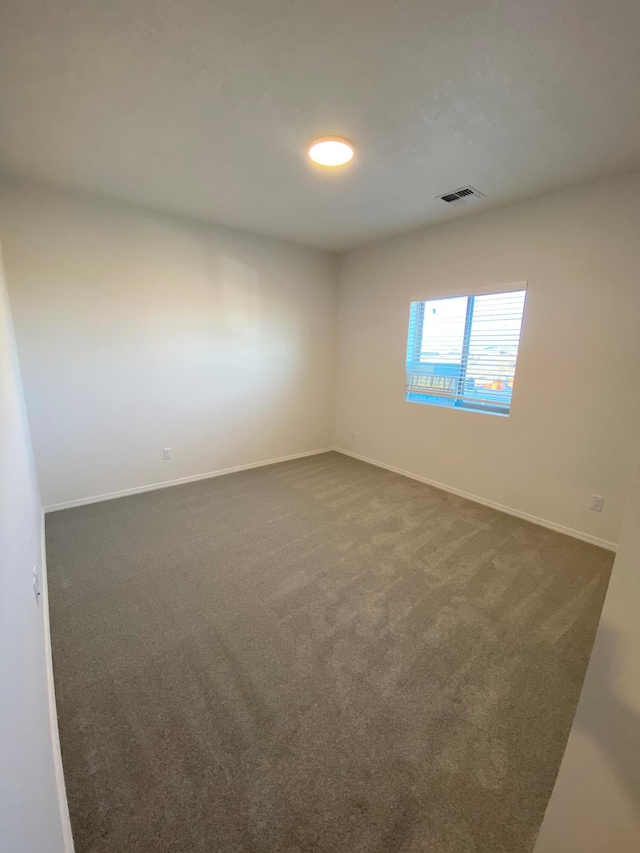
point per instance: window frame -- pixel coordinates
(414, 347)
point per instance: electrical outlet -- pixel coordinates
(166, 454)
(36, 585)
(353, 433)
(597, 503)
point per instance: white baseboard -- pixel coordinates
(53, 714)
(192, 479)
(543, 522)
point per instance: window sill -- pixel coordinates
(445, 403)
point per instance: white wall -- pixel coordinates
(575, 412)
(595, 805)
(30, 814)
(138, 331)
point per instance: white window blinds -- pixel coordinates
(462, 351)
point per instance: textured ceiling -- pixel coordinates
(205, 107)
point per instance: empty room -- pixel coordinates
(319, 426)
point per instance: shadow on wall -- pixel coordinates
(240, 297)
(608, 719)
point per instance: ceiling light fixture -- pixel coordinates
(331, 151)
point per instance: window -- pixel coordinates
(462, 352)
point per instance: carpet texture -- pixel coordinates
(318, 656)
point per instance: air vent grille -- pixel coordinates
(463, 195)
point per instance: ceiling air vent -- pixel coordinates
(464, 195)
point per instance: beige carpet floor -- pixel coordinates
(318, 656)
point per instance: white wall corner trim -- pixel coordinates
(65, 820)
(543, 522)
(181, 480)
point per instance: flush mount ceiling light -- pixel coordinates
(330, 151)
